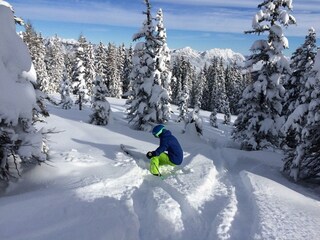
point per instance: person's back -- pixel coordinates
(169, 143)
(168, 153)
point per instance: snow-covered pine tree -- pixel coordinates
(207, 89)
(303, 162)
(197, 89)
(122, 55)
(259, 121)
(113, 74)
(69, 64)
(88, 63)
(54, 64)
(65, 90)
(194, 121)
(127, 69)
(164, 67)
(176, 83)
(101, 64)
(183, 105)
(220, 90)
(147, 92)
(37, 50)
(100, 106)
(211, 87)
(183, 74)
(302, 61)
(20, 141)
(79, 85)
(213, 118)
(194, 117)
(234, 86)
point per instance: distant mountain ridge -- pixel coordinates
(197, 58)
(200, 58)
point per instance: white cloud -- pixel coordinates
(229, 16)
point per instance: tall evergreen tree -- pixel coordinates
(163, 67)
(79, 84)
(113, 72)
(101, 63)
(37, 49)
(122, 55)
(147, 91)
(88, 63)
(183, 74)
(234, 86)
(220, 100)
(207, 89)
(259, 121)
(211, 87)
(55, 64)
(302, 61)
(127, 69)
(303, 161)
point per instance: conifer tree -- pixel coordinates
(259, 121)
(37, 50)
(302, 61)
(234, 86)
(122, 55)
(127, 69)
(147, 92)
(194, 117)
(211, 87)
(183, 74)
(54, 64)
(183, 105)
(101, 64)
(79, 84)
(65, 89)
(113, 72)
(303, 161)
(163, 66)
(213, 118)
(100, 106)
(207, 89)
(88, 63)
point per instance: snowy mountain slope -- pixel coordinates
(92, 190)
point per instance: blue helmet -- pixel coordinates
(157, 130)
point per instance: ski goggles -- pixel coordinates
(157, 134)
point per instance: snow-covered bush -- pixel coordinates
(65, 89)
(195, 120)
(100, 106)
(20, 141)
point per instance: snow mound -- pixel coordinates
(279, 208)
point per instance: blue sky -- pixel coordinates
(200, 24)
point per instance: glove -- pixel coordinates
(150, 154)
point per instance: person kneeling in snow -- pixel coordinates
(168, 153)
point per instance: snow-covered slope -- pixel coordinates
(92, 190)
(199, 59)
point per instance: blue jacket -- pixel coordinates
(169, 143)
